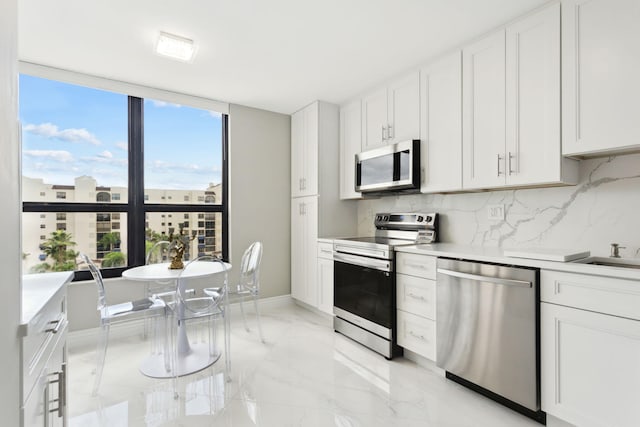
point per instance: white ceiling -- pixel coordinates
(277, 55)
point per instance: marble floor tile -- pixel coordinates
(305, 375)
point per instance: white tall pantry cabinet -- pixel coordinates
(316, 208)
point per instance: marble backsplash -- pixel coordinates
(602, 209)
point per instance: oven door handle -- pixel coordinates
(490, 279)
(377, 264)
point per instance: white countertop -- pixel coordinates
(496, 255)
(37, 290)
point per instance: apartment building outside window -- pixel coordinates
(88, 152)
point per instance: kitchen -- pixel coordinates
(514, 200)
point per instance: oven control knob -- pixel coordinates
(378, 217)
(420, 218)
(429, 219)
(386, 218)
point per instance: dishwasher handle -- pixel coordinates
(478, 278)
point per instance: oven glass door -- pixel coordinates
(366, 292)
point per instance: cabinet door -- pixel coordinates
(350, 145)
(484, 112)
(374, 119)
(533, 152)
(310, 151)
(304, 237)
(310, 254)
(590, 372)
(297, 248)
(441, 125)
(297, 144)
(403, 108)
(600, 69)
(325, 285)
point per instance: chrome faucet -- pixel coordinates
(615, 250)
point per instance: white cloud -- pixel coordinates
(106, 154)
(215, 114)
(122, 145)
(58, 155)
(161, 104)
(49, 130)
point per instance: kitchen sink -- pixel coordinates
(611, 262)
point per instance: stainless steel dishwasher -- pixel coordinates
(488, 331)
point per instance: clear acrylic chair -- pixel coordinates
(158, 253)
(210, 308)
(118, 313)
(249, 283)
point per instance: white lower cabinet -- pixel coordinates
(590, 357)
(416, 303)
(325, 277)
(304, 236)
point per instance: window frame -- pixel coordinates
(136, 208)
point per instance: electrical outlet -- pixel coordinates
(495, 212)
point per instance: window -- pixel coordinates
(200, 216)
(88, 150)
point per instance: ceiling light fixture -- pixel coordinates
(175, 47)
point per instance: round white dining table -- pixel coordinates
(191, 357)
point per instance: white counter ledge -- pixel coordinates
(37, 290)
(496, 255)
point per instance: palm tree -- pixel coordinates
(56, 248)
(113, 259)
(110, 240)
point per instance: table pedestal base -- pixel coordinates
(197, 359)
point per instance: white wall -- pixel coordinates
(10, 251)
(260, 169)
(602, 209)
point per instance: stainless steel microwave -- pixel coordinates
(395, 167)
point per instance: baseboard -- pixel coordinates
(87, 337)
(423, 362)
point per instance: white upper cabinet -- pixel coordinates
(441, 125)
(350, 145)
(304, 151)
(600, 69)
(511, 106)
(484, 112)
(533, 153)
(392, 113)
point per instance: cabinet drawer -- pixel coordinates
(49, 325)
(416, 265)
(416, 295)
(325, 250)
(417, 334)
(618, 297)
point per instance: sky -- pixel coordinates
(70, 131)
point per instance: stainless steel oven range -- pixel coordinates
(364, 278)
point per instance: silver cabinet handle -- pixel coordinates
(418, 297)
(420, 337)
(499, 158)
(511, 156)
(324, 251)
(389, 133)
(478, 278)
(384, 138)
(56, 328)
(60, 379)
(418, 266)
